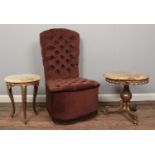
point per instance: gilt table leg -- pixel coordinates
(24, 94)
(9, 89)
(34, 96)
(126, 97)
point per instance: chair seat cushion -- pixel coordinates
(71, 84)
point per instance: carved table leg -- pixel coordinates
(9, 89)
(126, 97)
(24, 94)
(34, 96)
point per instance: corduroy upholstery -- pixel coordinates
(68, 96)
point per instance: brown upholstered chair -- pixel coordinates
(68, 96)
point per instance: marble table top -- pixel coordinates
(129, 76)
(22, 78)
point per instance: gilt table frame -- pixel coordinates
(23, 87)
(126, 95)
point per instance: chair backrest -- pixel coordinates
(60, 53)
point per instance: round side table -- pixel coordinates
(23, 81)
(126, 79)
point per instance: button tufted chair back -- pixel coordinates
(60, 53)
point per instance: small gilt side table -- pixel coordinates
(23, 81)
(126, 79)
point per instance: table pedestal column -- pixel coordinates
(126, 96)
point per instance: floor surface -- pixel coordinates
(42, 121)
